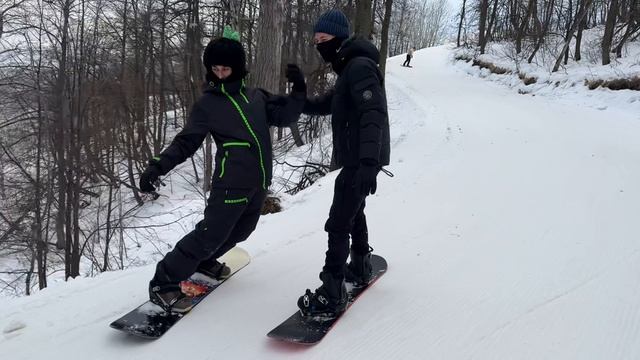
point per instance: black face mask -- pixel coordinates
(236, 74)
(329, 49)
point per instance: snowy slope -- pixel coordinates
(569, 83)
(510, 230)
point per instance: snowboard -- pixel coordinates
(152, 321)
(309, 330)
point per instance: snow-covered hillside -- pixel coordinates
(511, 231)
(571, 81)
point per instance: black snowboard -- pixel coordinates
(309, 330)
(151, 321)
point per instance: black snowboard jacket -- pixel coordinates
(238, 118)
(358, 106)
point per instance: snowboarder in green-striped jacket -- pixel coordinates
(238, 118)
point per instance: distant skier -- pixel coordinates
(360, 129)
(238, 118)
(409, 57)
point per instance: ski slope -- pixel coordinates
(510, 228)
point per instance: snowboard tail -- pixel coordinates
(151, 321)
(309, 330)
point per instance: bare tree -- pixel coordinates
(268, 63)
(384, 40)
(462, 11)
(363, 22)
(482, 25)
(579, 18)
(607, 39)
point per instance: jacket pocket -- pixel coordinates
(227, 154)
(239, 166)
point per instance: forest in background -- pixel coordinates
(91, 89)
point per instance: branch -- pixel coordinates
(16, 163)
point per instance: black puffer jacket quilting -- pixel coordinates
(358, 106)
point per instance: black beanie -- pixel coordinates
(333, 22)
(226, 52)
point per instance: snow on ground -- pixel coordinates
(568, 83)
(510, 229)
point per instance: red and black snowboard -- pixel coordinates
(309, 330)
(151, 321)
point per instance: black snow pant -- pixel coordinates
(230, 217)
(406, 62)
(346, 217)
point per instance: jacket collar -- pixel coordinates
(354, 47)
(221, 88)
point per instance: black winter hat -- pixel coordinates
(226, 52)
(333, 22)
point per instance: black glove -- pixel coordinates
(294, 75)
(365, 179)
(149, 177)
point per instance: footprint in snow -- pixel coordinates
(11, 329)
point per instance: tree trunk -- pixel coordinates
(542, 30)
(62, 117)
(398, 46)
(630, 28)
(482, 38)
(108, 232)
(464, 4)
(607, 39)
(41, 241)
(194, 78)
(384, 38)
(269, 50)
(492, 20)
(128, 136)
(523, 26)
(581, 25)
(579, 19)
(363, 24)
(268, 65)
(569, 24)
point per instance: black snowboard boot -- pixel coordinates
(170, 298)
(329, 300)
(359, 270)
(214, 269)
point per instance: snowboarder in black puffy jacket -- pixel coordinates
(360, 127)
(238, 118)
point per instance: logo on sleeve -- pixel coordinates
(367, 95)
